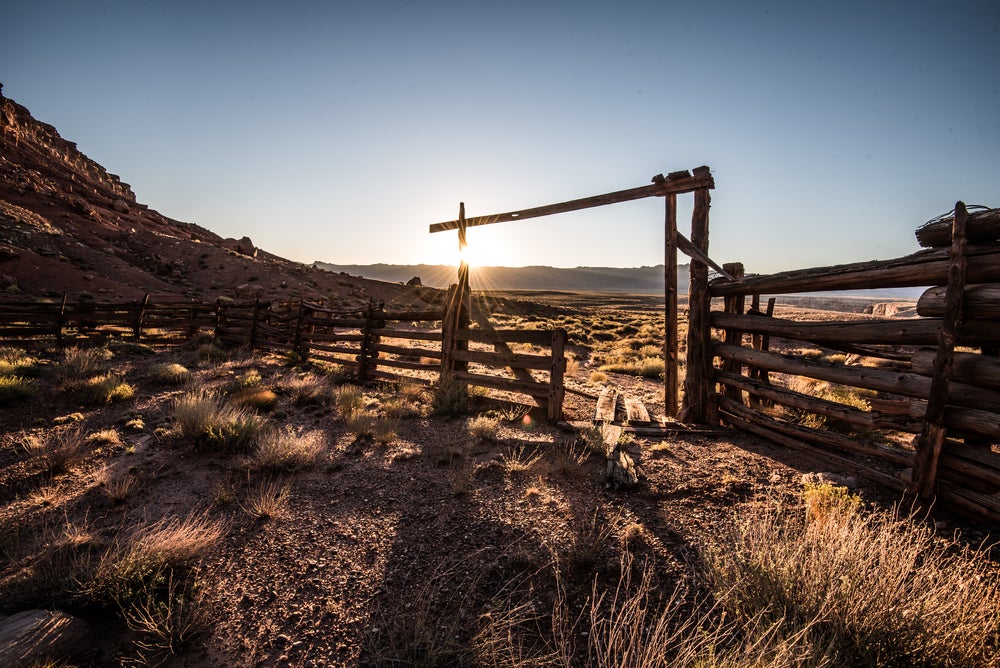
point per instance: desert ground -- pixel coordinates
(204, 507)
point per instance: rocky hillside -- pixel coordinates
(67, 225)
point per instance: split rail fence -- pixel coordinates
(930, 382)
(371, 343)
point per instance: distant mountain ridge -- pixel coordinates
(596, 279)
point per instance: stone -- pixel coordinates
(120, 205)
(621, 470)
(414, 281)
(245, 247)
(35, 636)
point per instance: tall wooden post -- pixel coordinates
(698, 405)
(140, 316)
(932, 436)
(463, 295)
(734, 304)
(557, 372)
(670, 339)
(61, 321)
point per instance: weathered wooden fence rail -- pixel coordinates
(907, 373)
(370, 342)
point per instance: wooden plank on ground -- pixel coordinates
(606, 405)
(635, 411)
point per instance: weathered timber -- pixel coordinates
(897, 382)
(932, 438)
(403, 364)
(606, 403)
(538, 390)
(671, 378)
(978, 302)
(402, 350)
(982, 370)
(927, 267)
(497, 340)
(408, 334)
(413, 316)
(981, 226)
(557, 374)
(875, 331)
(975, 505)
(831, 409)
(328, 338)
(536, 337)
(400, 378)
(500, 359)
(697, 405)
(635, 411)
(701, 179)
(335, 349)
(807, 440)
(968, 473)
(985, 423)
(353, 363)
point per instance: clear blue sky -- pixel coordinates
(339, 131)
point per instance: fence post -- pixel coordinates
(448, 326)
(253, 323)
(297, 346)
(932, 435)
(734, 304)
(670, 342)
(137, 330)
(698, 404)
(365, 345)
(557, 388)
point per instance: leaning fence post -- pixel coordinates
(932, 435)
(137, 330)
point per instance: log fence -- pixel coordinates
(912, 403)
(369, 343)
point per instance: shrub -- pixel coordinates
(167, 617)
(80, 364)
(17, 362)
(16, 389)
(105, 437)
(268, 500)
(360, 423)
(256, 398)
(385, 429)
(483, 428)
(205, 420)
(62, 450)
(450, 399)
(307, 388)
(169, 373)
(287, 450)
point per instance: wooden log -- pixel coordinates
(407, 334)
(540, 390)
(352, 363)
(403, 364)
(896, 382)
(702, 179)
(538, 337)
(414, 316)
(329, 338)
(929, 267)
(606, 405)
(671, 377)
(402, 350)
(968, 502)
(957, 418)
(978, 302)
(334, 349)
(401, 378)
(500, 359)
(799, 438)
(971, 368)
(875, 331)
(981, 226)
(831, 409)
(697, 406)
(932, 438)
(968, 473)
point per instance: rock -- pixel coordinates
(245, 247)
(120, 205)
(883, 310)
(34, 637)
(414, 281)
(8, 253)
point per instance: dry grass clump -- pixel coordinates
(130, 567)
(597, 377)
(483, 427)
(205, 420)
(83, 373)
(82, 363)
(60, 450)
(255, 398)
(167, 616)
(117, 486)
(287, 450)
(105, 437)
(268, 500)
(306, 388)
(519, 458)
(17, 362)
(860, 588)
(385, 429)
(349, 399)
(169, 373)
(16, 389)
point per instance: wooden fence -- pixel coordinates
(371, 342)
(930, 384)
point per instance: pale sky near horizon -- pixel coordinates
(338, 131)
